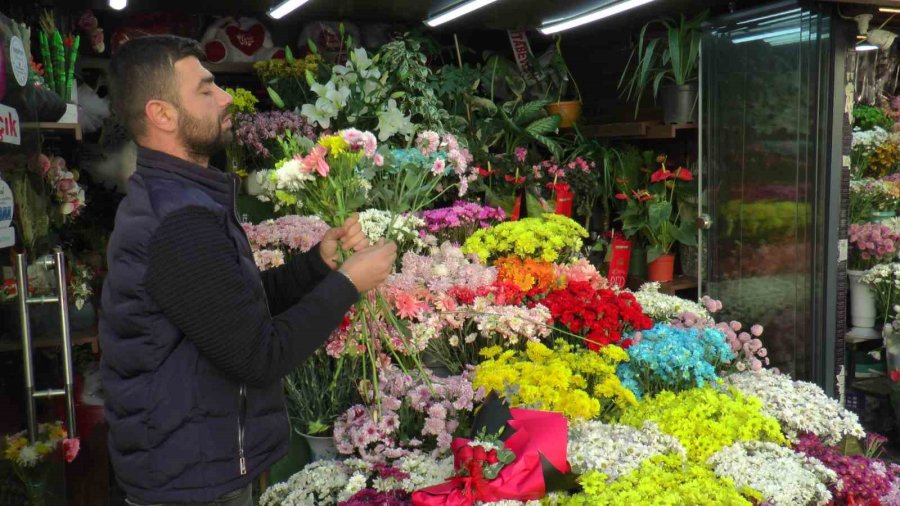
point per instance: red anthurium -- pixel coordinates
(621, 196)
(642, 195)
(661, 175)
(683, 174)
(514, 180)
(484, 173)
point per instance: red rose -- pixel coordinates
(492, 457)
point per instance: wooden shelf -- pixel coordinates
(879, 386)
(72, 128)
(671, 288)
(637, 130)
(90, 336)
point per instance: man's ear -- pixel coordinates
(160, 114)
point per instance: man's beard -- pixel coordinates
(201, 138)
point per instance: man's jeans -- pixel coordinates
(239, 497)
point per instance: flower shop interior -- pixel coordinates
(647, 249)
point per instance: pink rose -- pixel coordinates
(756, 330)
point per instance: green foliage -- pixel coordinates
(866, 117)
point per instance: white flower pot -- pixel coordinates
(862, 307)
(320, 447)
(254, 187)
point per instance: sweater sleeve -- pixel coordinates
(194, 275)
(285, 285)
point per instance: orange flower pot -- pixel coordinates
(569, 112)
(662, 269)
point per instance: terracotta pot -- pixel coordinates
(662, 269)
(569, 112)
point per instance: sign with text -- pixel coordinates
(619, 262)
(18, 60)
(522, 52)
(10, 128)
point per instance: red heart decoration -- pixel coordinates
(247, 41)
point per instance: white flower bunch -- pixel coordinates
(662, 308)
(798, 406)
(883, 275)
(616, 450)
(423, 470)
(322, 483)
(784, 477)
(403, 229)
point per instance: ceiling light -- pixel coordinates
(777, 14)
(866, 47)
(767, 35)
(284, 8)
(889, 10)
(458, 11)
(590, 17)
(118, 4)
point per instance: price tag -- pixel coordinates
(6, 204)
(18, 60)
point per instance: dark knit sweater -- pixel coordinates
(194, 276)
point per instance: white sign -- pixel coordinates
(7, 237)
(6, 204)
(10, 129)
(522, 52)
(18, 60)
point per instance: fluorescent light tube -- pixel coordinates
(590, 17)
(890, 10)
(118, 4)
(458, 11)
(748, 21)
(284, 8)
(767, 35)
(866, 47)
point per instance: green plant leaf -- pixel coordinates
(654, 252)
(312, 46)
(544, 125)
(276, 98)
(529, 112)
(659, 213)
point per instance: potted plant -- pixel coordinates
(558, 83)
(669, 64)
(870, 244)
(653, 212)
(318, 392)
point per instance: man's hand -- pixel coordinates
(348, 236)
(370, 267)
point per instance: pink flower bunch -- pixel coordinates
(581, 270)
(871, 244)
(289, 233)
(457, 222)
(63, 182)
(349, 337)
(747, 345)
(861, 480)
(445, 267)
(446, 151)
(266, 259)
(359, 140)
(416, 414)
(558, 170)
(259, 131)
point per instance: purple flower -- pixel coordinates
(368, 496)
(258, 131)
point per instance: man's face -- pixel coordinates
(204, 124)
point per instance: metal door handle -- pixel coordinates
(704, 222)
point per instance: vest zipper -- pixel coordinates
(235, 181)
(241, 412)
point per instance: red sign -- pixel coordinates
(10, 129)
(618, 263)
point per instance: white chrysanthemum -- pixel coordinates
(782, 476)
(28, 457)
(423, 470)
(404, 229)
(317, 484)
(616, 450)
(798, 406)
(662, 308)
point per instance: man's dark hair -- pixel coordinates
(143, 69)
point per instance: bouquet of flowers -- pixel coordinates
(868, 195)
(616, 450)
(706, 420)
(404, 229)
(871, 244)
(667, 479)
(799, 407)
(273, 240)
(27, 458)
(258, 132)
(885, 282)
(578, 383)
(551, 238)
(861, 479)
(457, 222)
(781, 476)
(599, 317)
(668, 358)
(416, 415)
(663, 308)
